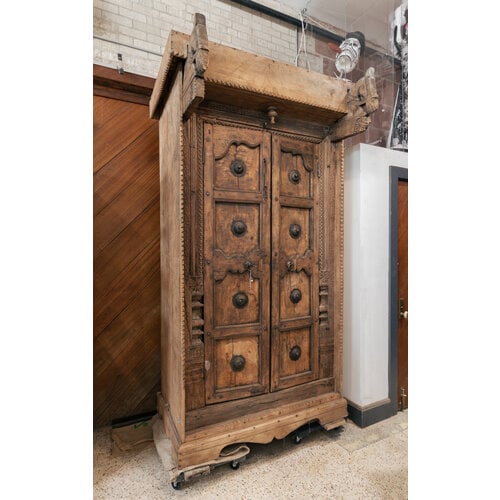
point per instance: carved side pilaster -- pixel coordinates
(199, 209)
(193, 189)
(325, 335)
(197, 319)
(195, 385)
(327, 202)
(184, 337)
(195, 348)
(336, 300)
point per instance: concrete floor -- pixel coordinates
(349, 462)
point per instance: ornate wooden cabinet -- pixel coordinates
(251, 179)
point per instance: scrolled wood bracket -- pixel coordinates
(362, 101)
(193, 87)
(296, 263)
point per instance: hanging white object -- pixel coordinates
(350, 50)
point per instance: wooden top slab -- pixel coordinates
(267, 80)
(237, 69)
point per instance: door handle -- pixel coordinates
(402, 313)
(248, 267)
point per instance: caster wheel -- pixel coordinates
(176, 485)
(235, 465)
(297, 439)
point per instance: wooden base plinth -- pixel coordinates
(205, 444)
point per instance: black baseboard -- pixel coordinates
(364, 417)
(133, 419)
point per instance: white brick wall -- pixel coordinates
(138, 29)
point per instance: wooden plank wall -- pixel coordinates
(126, 248)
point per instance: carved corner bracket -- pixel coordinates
(362, 101)
(193, 87)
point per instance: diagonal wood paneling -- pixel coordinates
(125, 287)
(126, 260)
(139, 316)
(122, 250)
(125, 199)
(116, 125)
(112, 180)
(127, 356)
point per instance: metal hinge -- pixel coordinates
(264, 168)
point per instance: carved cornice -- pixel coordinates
(256, 79)
(272, 95)
(176, 50)
(259, 76)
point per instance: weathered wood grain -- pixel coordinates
(176, 50)
(295, 353)
(206, 443)
(260, 76)
(211, 414)
(173, 324)
(237, 176)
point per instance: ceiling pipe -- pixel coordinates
(285, 17)
(296, 22)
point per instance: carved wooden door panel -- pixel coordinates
(295, 224)
(237, 262)
(261, 262)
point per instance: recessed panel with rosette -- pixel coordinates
(295, 217)
(237, 265)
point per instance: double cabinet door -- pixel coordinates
(261, 262)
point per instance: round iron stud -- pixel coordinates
(294, 176)
(240, 300)
(295, 231)
(237, 363)
(295, 353)
(238, 168)
(295, 295)
(238, 228)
